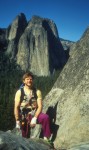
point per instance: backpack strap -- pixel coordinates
(22, 95)
(34, 92)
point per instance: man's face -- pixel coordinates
(28, 81)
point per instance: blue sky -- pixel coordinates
(71, 16)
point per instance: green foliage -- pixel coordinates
(10, 81)
(46, 83)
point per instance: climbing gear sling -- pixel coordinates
(27, 111)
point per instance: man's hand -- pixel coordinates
(33, 122)
(18, 124)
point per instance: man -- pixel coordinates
(31, 105)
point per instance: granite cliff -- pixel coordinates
(39, 48)
(68, 101)
(35, 45)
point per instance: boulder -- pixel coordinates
(10, 141)
(69, 98)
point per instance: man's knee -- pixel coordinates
(46, 117)
(43, 118)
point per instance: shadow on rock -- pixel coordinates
(52, 115)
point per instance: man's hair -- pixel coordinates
(28, 74)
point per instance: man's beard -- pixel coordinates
(30, 86)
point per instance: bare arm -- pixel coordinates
(39, 103)
(17, 105)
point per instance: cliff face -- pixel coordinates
(14, 33)
(69, 98)
(35, 45)
(39, 48)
